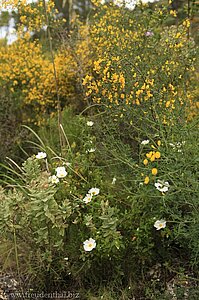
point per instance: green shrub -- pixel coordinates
(55, 219)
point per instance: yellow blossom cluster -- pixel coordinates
(119, 60)
(21, 68)
(36, 79)
(152, 156)
(139, 64)
(32, 16)
(27, 72)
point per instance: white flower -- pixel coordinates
(177, 146)
(94, 191)
(54, 179)
(162, 186)
(159, 224)
(41, 155)
(90, 150)
(90, 123)
(145, 142)
(87, 198)
(61, 172)
(89, 244)
(113, 181)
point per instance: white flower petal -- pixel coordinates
(113, 181)
(61, 172)
(90, 123)
(162, 186)
(87, 198)
(91, 150)
(144, 142)
(54, 179)
(41, 155)
(94, 191)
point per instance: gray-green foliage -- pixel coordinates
(53, 222)
(43, 211)
(32, 212)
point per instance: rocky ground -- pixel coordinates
(8, 286)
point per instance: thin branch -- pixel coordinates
(62, 142)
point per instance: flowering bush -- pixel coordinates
(83, 212)
(32, 16)
(40, 79)
(117, 201)
(30, 78)
(128, 77)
